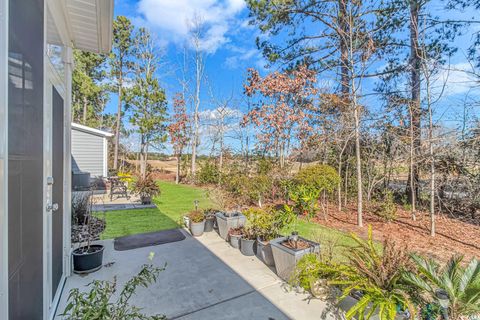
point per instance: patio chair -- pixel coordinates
(118, 187)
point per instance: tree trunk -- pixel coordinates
(195, 115)
(143, 158)
(177, 174)
(119, 119)
(344, 60)
(85, 107)
(415, 123)
(358, 163)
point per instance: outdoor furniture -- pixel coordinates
(118, 187)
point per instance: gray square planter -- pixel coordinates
(225, 223)
(286, 259)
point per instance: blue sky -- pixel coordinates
(230, 49)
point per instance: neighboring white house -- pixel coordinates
(90, 150)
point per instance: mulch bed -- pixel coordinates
(453, 236)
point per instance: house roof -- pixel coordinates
(90, 24)
(100, 133)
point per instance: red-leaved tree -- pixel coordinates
(283, 109)
(178, 130)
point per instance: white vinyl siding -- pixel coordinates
(88, 152)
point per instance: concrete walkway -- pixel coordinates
(205, 278)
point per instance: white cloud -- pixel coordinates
(458, 79)
(172, 17)
(216, 114)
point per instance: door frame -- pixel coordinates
(4, 159)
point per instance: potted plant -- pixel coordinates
(247, 241)
(268, 224)
(209, 219)
(287, 251)
(87, 257)
(227, 221)
(235, 235)
(197, 222)
(146, 188)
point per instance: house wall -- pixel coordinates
(88, 153)
(25, 159)
(3, 160)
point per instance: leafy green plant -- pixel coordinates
(461, 283)
(306, 200)
(102, 302)
(146, 187)
(266, 223)
(307, 271)
(387, 209)
(375, 273)
(196, 216)
(208, 173)
(318, 177)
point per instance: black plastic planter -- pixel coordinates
(209, 224)
(286, 259)
(226, 222)
(87, 261)
(146, 200)
(247, 247)
(264, 252)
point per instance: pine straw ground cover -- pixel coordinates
(453, 236)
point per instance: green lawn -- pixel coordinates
(176, 200)
(329, 239)
(172, 204)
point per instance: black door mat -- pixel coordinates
(148, 239)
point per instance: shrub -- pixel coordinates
(81, 206)
(305, 200)
(461, 283)
(97, 303)
(266, 223)
(387, 210)
(377, 275)
(146, 187)
(208, 173)
(306, 272)
(319, 177)
(196, 216)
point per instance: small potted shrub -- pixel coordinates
(287, 251)
(268, 224)
(87, 257)
(209, 219)
(227, 221)
(146, 188)
(247, 242)
(235, 235)
(197, 222)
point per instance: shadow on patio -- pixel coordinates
(205, 279)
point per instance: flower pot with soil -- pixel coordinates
(227, 221)
(209, 219)
(248, 242)
(235, 235)
(197, 222)
(287, 251)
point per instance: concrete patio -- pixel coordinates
(205, 278)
